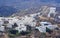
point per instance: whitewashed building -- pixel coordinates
(21, 22)
(31, 21)
(2, 29)
(21, 26)
(52, 11)
(43, 26)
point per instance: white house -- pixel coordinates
(48, 24)
(1, 21)
(43, 26)
(21, 26)
(57, 18)
(42, 29)
(9, 25)
(52, 11)
(2, 29)
(33, 15)
(45, 23)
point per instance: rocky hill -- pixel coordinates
(7, 11)
(9, 7)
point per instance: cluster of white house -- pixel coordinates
(20, 21)
(25, 20)
(45, 25)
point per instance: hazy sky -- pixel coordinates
(17, 2)
(25, 3)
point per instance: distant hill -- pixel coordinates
(7, 11)
(28, 11)
(9, 7)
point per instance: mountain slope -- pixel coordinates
(7, 10)
(23, 4)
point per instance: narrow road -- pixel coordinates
(6, 35)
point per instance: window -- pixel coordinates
(33, 21)
(20, 24)
(46, 24)
(19, 28)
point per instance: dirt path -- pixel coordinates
(6, 35)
